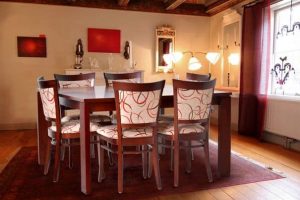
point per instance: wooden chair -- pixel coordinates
(198, 77)
(137, 108)
(59, 133)
(133, 77)
(192, 106)
(81, 80)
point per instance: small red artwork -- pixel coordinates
(32, 46)
(104, 40)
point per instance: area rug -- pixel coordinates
(23, 179)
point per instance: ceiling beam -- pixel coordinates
(221, 5)
(123, 2)
(174, 4)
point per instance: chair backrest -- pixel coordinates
(192, 100)
(138, 103)
(49, 97)
(76, 80)
(198, 77)
(132, 77)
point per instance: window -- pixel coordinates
(285, 77)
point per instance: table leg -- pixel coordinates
(85, 161)
(42, 131)
(224, 136)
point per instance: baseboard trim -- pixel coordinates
(18, 126)
(281, 140)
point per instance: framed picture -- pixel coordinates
(32, 46)
(104, 40)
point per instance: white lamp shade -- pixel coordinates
(194, 64)
(234, 58)
(213, 57)
(176, 56)
(168, 58)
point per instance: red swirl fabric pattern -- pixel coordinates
(139, 107)
(112, 132)
(194, 104)
(47, 98)
(168, 129)
(73, 126)
(76, 84)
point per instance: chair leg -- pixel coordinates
(172, 156)
(149, 163)
(192, 154)
(188, 156)
(120, 169)
(57, 161)
(100, 151)
(144, 161)
(207, 163)
(92, 147)
(70, 154)
(63, 151)
(47, 157)
(109, 155)
(156, 164)
(176, 163)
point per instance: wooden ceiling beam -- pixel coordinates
(221, 5)
(123, 2)
(174, 4)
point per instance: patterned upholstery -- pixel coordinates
(139, 107)
(168, 129)
(194, 104)
(47, 98)
(76, 84)
(73, 126)
(111, 132)
(133, 80)
(93, 118)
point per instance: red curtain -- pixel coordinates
(255, 51)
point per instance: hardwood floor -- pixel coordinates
(283, 160)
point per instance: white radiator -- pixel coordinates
(283, 117)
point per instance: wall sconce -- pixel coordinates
(194, 63)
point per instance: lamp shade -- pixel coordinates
(194, 64)
(176, 56)
(234, 58)
(213, 57)
(168, 58)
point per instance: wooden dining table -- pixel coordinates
(101, 98)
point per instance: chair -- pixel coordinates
(59, 133)
(192, 106)
(137, 107)
(198, 77)
(81, 80)
(133, 77)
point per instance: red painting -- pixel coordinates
(104, 40)
(32, 46)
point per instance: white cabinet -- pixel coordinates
(99, 74)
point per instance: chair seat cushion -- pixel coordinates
(72, 126)
(168, 129)
(95, 118)
(111, 132)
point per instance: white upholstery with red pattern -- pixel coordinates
(76, 84)
(168, 129)
(47, 98)
(111, 132)
(73, 126)
(194, 104)
(139, 107)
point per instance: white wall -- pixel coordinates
(63, 26)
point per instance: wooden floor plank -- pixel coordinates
(286, 161)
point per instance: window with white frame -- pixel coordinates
(285, 59)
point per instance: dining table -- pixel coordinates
(101, 98)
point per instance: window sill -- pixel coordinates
(284, 98)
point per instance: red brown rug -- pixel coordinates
(23, 178)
